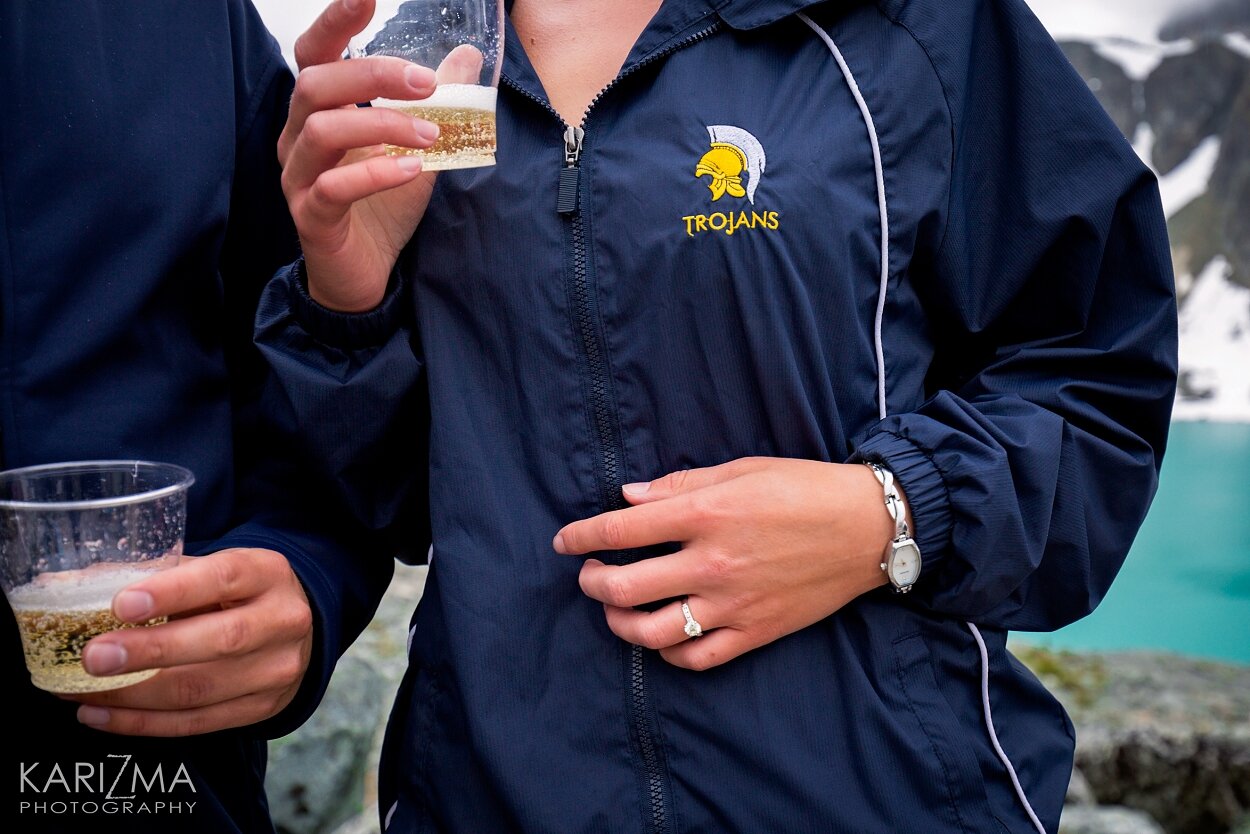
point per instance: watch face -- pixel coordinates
(905, 563)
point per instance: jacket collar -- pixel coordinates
(752, 14)
(674, 20)
(744, 14)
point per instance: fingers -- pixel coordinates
(327, 38)
(665, 630)
(234, 632)
(204, 684)
(238, 660)
(225, 576)
(332, 195)
(629, 528)
(685, 481)
(351, 82)
(330, 134)
(625, 586)
(713, 649)
(463, 65)
(223, 715)
(347, 83)
(665, 627)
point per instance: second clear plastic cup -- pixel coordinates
(71, 536)
(462, 40)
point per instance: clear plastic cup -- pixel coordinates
(462, 40)
(71, 536)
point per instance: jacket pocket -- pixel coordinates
(952, 759)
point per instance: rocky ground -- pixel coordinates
(1163, 742)
(322, 778)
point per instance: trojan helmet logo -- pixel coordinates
(734, 154)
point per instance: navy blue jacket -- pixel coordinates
(718, 289)
(140, 217)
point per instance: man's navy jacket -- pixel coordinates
(140, 216)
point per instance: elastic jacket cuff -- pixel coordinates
(349, 331)
(923, 486)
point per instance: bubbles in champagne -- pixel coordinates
(58, 613)
(465, 115)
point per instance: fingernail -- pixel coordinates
(636, 489)
(103, 658)
(93, 716)
(409, 163)
(351, 5)
(133, 606)
(420, 79)
(558, 543)
(427, 130)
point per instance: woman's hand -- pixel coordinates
(769, 546)
(355, 207)
(234, 651)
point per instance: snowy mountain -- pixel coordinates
(1182, 96)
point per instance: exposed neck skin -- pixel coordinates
(578, 46)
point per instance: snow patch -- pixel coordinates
(1215, 348)
(1137, 19)
(1144, 142)
(1190, 179)
(1238, 42)
(1139, 58)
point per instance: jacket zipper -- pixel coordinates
(568, 205)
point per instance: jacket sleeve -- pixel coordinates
(344, 396)
(1031, 465)
(343, 566)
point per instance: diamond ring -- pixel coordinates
(692, 627)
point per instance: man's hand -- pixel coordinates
(234, 651)
(769, 546)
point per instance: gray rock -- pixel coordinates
(1079, 791)
(1159, 733)
(316, 775)
(1197, 237)
(1189, 98)
(1115, 91)
(1091, 820)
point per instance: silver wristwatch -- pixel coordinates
(902, 557)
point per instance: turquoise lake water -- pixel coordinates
(1186, 584)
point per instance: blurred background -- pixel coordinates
(1157, 678)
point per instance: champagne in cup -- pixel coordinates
(463, 41)
(71, 536)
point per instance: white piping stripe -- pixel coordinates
(881, 403)
(989, 725)
(882, 206)
(386, 823)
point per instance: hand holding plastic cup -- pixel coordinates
(71, 536)
(463, 41)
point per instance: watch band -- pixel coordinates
(893, 501)
(902, 542)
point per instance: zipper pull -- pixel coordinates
(569, 174)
